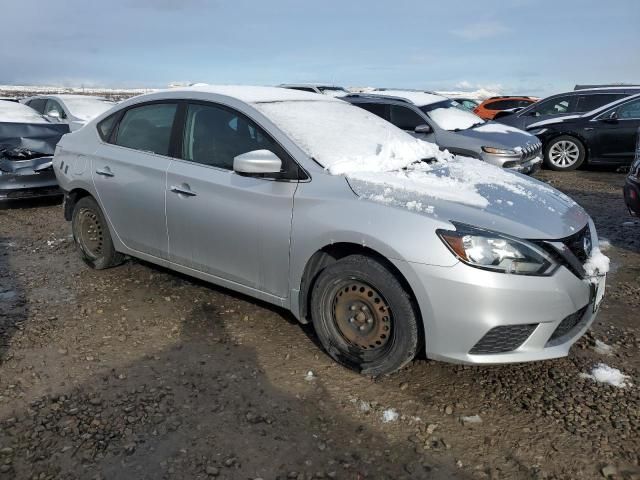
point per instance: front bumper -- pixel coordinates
(460, 305)
(514, 162)
(632, 195)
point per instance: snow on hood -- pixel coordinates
(13, 112)
(494, 127)
(384, 164)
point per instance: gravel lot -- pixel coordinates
(137, 372)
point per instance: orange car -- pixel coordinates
(491, 106)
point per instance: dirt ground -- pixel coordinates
(140, 373)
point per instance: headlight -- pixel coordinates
(539, 131)
(497, 252)
(499, 151)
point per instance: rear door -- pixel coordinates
(615, 138)
(129, 174)
(233, 227)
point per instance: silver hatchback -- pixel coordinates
(385, 243)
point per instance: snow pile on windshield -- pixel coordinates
(347, 139)
(456, 179)
(387, 165)
(597, 263)
(454, 118)
(86, 108)
(14, 112)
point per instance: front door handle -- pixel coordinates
(105, 172)
(183, 189)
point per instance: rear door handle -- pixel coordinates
(183, 189)
(105, 172)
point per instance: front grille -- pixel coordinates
(531, 151)
(574, 255)
(567, 327)
(576, 243)
(504, 338)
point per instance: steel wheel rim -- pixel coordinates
(361, 315)
(564, 153)
(91, 234)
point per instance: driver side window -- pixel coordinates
(629, 110)
(214, 135)
(405, 118)
(53, 106)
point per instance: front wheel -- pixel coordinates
(91, 235)
(564, 153)
(363, 316)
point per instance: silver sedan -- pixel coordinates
(386, 244)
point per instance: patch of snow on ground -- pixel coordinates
(390, 415)
(603, 373)
(310, 376)
(602, 348)
(605, 244)
(597, 263)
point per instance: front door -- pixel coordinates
(221, 223)
(615, 138)
(129, 175)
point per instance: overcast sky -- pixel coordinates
(528, 47)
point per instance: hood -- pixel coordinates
(476, 193)
(553, 121)
(493, 134)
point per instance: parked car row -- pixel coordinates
(387, 244)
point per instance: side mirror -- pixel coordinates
(532, 113)
(423, 129)
(257, 162)
(53, 114)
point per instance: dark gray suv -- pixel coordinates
(576, 102)
(446, 123)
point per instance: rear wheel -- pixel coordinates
(564, 153)
(91, 235)
(363, 316)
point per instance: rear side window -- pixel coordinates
(405, 118)
(501, 105)
(37, 104)
(557, 106)
(147, 128)
(379, 109)
(303, 89)
(586, 103)
(106, 126)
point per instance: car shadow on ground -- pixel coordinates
(30, 203)
(13, 306)
(200, 407)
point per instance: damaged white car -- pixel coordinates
(27, 143)
(387, 245)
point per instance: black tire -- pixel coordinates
(91, 235)
(375, 294)
(572, 145)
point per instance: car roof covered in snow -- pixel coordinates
(257, 94)
(418, 98)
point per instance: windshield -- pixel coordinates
(450, 115)
(343, 138)
(86, 108)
